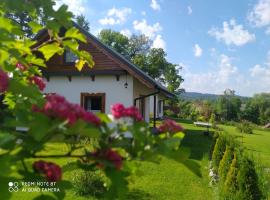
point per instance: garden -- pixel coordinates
(51, 148)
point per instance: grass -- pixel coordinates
(183, 176)
(258, 143)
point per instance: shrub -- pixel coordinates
(247, 179)
(218, 152)
(231, 184)
(225, 163)
(89, 183)
(245, 127)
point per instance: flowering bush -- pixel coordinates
(108, 155)
(3, 81)
(51, 171)
(170, 126)
(52, 118)
(38, 81)
(57, 106)
(119, 111)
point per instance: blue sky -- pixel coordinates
(219, 44)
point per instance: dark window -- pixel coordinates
(93, 103)
(70, 57)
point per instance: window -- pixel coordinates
(70, 57)
(93, 102)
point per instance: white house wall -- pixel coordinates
(115, 90)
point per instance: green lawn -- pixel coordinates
(257, 143)
(183, 178)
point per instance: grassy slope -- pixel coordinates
(184, 179)
(258, 143)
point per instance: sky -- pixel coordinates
(219, 44)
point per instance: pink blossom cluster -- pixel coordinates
(3, 81)
(119, 111)
(57, 106)
(109, 155)
(170, 126)
(51, 170)
(20, 66)
(38, 81)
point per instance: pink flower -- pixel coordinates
(51, 170)
(170, 126)
(119, 111)
(3, 81)
(58, 107)
(109, 155)
(20, 66)
(39, 82)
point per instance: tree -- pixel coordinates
(83, 22)
(153, 61)
(115, 40)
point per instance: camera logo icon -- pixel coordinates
(13, 186)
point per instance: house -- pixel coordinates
(113, 79)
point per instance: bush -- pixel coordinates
(218, 152)
(247, 179)
(89, 183)
(245, 127)
(225, 163)
(231, 184)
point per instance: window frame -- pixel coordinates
(102, 95)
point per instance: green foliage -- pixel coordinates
(231, 184)
(247, 179)
(89, 183)
(82, 21)
(225, 163)
(244, 127)
(218, 152)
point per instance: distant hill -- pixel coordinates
(202, 96)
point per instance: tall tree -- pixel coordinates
(153, 61)
(116, 40)
(83, 22)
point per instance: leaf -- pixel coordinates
(75, 34)
(35, 26)
(6, 140)
(50, 49)
(36, 61)
(39, 127)
(79, 64)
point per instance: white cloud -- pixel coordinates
(227, 75)
(77, 7)
(258, 70)
(232, 34)
(189, 10)
(267, 32)
(212, 81)
(159, 42)
(197, 50)
(116, 16)
(126, 32)
(155, 5)
(260, 14)
(148, 30)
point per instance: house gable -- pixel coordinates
(107, 61)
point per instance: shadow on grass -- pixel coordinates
(198, 143)
(137, 194)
